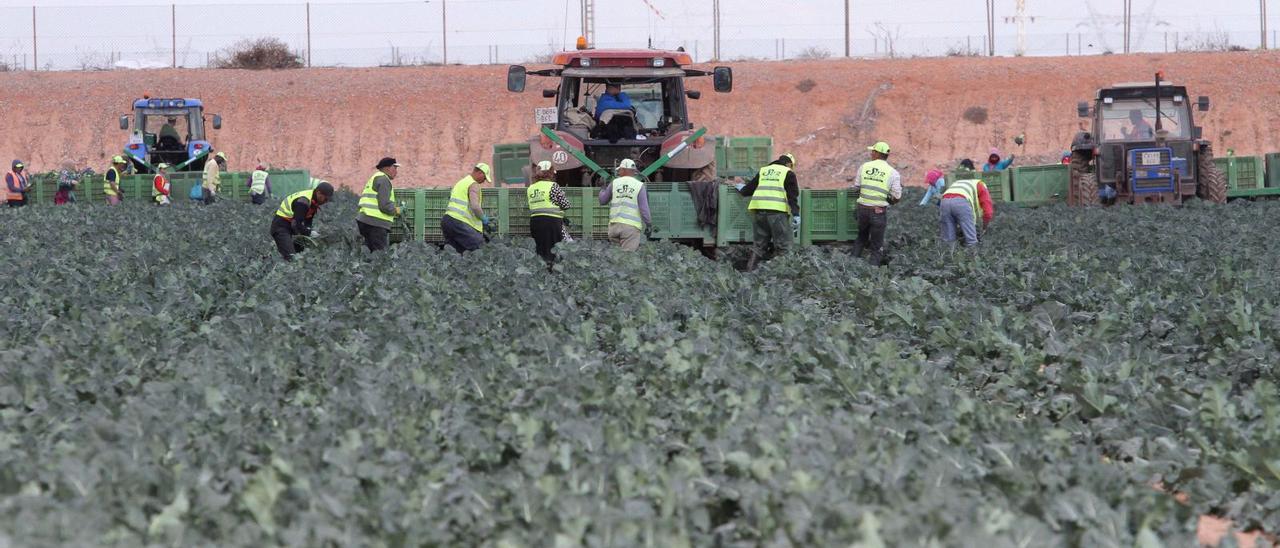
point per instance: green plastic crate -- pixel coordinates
(1040, 184)
(826, 216)
(997, 182)
(509, 161)
(673, 213)
(734, 221)
(287, 181)
(742, 156)
(1273, 170)
(1243, 172)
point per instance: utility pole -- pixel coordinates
(308, 34)
(1128, 20)
(1020, 18)
(991, 27)
(589, 22)
(444, 33)
(715, 24)
(846, 28)
(35, 49)
(1262, 4)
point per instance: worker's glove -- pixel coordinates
(315, 234)
(485, 220)
(648, 231)
(795, 221)
(739, 186)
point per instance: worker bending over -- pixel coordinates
(775, 198)
(628, 202)
(878, 185)
(464, 220)
(377, 206)
(294, 218)
(961, 202)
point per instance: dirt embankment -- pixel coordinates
(436, 120)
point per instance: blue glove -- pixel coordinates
(484, 219)
(739, 186)
(795, 221)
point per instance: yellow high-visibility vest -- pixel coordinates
(771, 190)
(540, 204)
(875, 184)
(369, 199)
(460, 203)
(624, 208)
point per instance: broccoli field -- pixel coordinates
(1097, 377)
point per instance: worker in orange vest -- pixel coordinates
(15, 182)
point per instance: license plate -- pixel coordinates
(546, 115)
(1150, 158)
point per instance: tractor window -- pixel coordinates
(1136, 121)
(651, 100)
(172, 129)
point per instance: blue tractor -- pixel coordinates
(170, 131)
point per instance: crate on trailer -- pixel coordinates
(287, 181)
(509, 161)
(1040, 184)
(742, 156)
(1273, 170)
(733, 220)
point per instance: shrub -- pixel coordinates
(259, 54)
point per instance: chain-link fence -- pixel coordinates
(518, 31)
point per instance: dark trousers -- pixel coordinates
(375, 237)
(460, 235)
(282, 233)
(546, 232)
(208, 197)
(871, 224)
(771, 233)
(18, 203)
(258, 199)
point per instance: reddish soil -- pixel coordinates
(436, 120)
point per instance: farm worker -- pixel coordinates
(613, 99)
(160, 185)
(878, 185)
(628, 202)
(960, 205)
(775, 198)
(967, 164)
(1140, 130)
(68, 179)
(547, 204)
(259, 185)
(994, 163)
(377, 206)
(111, 180)
(15, 182)
(1066, 158)
(464, 220)
(212, 181)
(936, 184)
(294, 217)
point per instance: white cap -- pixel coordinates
(545, 165)
(627, 163)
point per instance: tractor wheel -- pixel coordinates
(1079, 167)
(1086, 190)
(1213, 182)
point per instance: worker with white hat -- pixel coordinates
(111, 180)
(464, 220)
(259, 185)
(628, 202)
(160, 185)
(212, 182)
(547, 204)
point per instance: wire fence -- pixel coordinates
(463, 31)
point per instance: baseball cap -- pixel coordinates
(627, 163)
(17, 164)
(791, 157)
(222, 155)
(544, 165)
(881, 147)
(162, 166)
(117, 159)
(484, 168)
(387, 162)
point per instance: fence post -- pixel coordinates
(444, 33)
(308, 34)
(35, 49)
(173, 28)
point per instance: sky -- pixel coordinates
(79, 33)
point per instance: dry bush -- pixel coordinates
(977, 115)
(259, 54)
(806, 85)
(814, 52)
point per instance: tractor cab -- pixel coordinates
(170, 131)
(612, 105)
(1143, 147)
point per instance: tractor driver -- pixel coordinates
(169, 137)
(1141, 130)
(613, 99)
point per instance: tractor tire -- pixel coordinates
(1086, 190)
(1213, 182)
